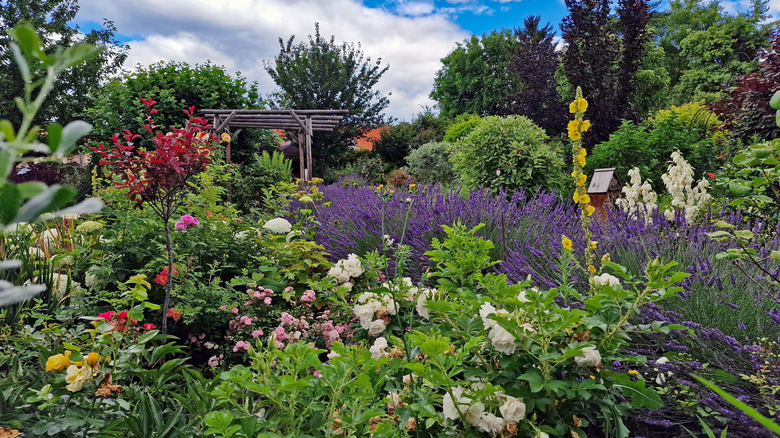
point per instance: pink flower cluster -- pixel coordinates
(186, 221)
(309, 296)
(240, 345)
(309, 327)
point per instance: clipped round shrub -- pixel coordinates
(430, 163)
(506, 153)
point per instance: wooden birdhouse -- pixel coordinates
(604, 189)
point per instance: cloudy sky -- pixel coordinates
(411, 36)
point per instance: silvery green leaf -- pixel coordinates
(10, 294)
(87, 206)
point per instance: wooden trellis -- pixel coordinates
(303, 123)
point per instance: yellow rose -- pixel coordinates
(225, 137)
(77, 376)
(92, 358)
(58, 362)
(566, 242)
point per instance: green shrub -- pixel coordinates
(649, 146)
(508, 153)
(430, 163)
(262, 172)
(461, 127)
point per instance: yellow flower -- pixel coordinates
(592, 269)
(575, 135)
(380, 186)
(581, 160)
(92, 358)
(584, 199)
(566, 242)
(574, 125)
(590, 210)
(583, 178)
(58, 362)
(411, 186)
(593, 244)
(582, 104)
(573, 107)
(633, 372)
(576, 197)
(584, 126)
(583, 152)
(225, 137)
(606, 258)
(77, 376)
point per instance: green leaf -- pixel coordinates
(722, 225)
(752, 413)
(10, 201)
(7, 130)
(744, 234)
(641, 396)
(534, 379)
(738, 189)
(7, 158)
(775, 101)
(53, 135)
(71, 134)
(25, 36)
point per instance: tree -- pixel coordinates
(321, 74)
(705, 47)
(603, 55)
(176, 86)
(476, 78)
(535, 63)
(73, 88)
(746, 106)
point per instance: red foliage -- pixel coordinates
(156, 176)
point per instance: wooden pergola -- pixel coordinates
(303, 123)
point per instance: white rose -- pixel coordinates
(378, 349)
(590, 357)
(448, 403)
(422, 299)
(502, 340)
(376, 327)
(484, 311)
(490, 424)
(513, 410)
(605, 280)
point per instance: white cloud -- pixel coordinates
(414, 9)
(240, 34)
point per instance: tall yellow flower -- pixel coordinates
(566, 242)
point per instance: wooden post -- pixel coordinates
(301, 157)
(308, 148)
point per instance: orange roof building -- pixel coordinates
(366, 141)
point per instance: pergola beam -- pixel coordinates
(303, 122)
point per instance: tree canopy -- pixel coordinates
(321, 74)
(175, 86)
(475, 77)
(73, 89)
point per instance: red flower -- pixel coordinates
(149, 326)
(162, 277)
(711, 175)
(107, 315)
(173, 313)
(121, 315)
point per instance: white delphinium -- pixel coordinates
(685, 196)
(639, 199)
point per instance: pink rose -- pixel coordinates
(181, 226)
(257, 333)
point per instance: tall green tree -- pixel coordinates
(74, 88)
(535, 63)
(320, 74)
(706, 48)
(475, 77)
(176, 86)
(603, 54)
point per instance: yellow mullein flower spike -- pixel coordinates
(566, 243)
(584, 126)
(590, 210)
(592, 269)
(593, 244)
(573, 125)
(581, 160)
(576, 197)
(583, 178)
(573, 107)
(585, 199)
(575, 135)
